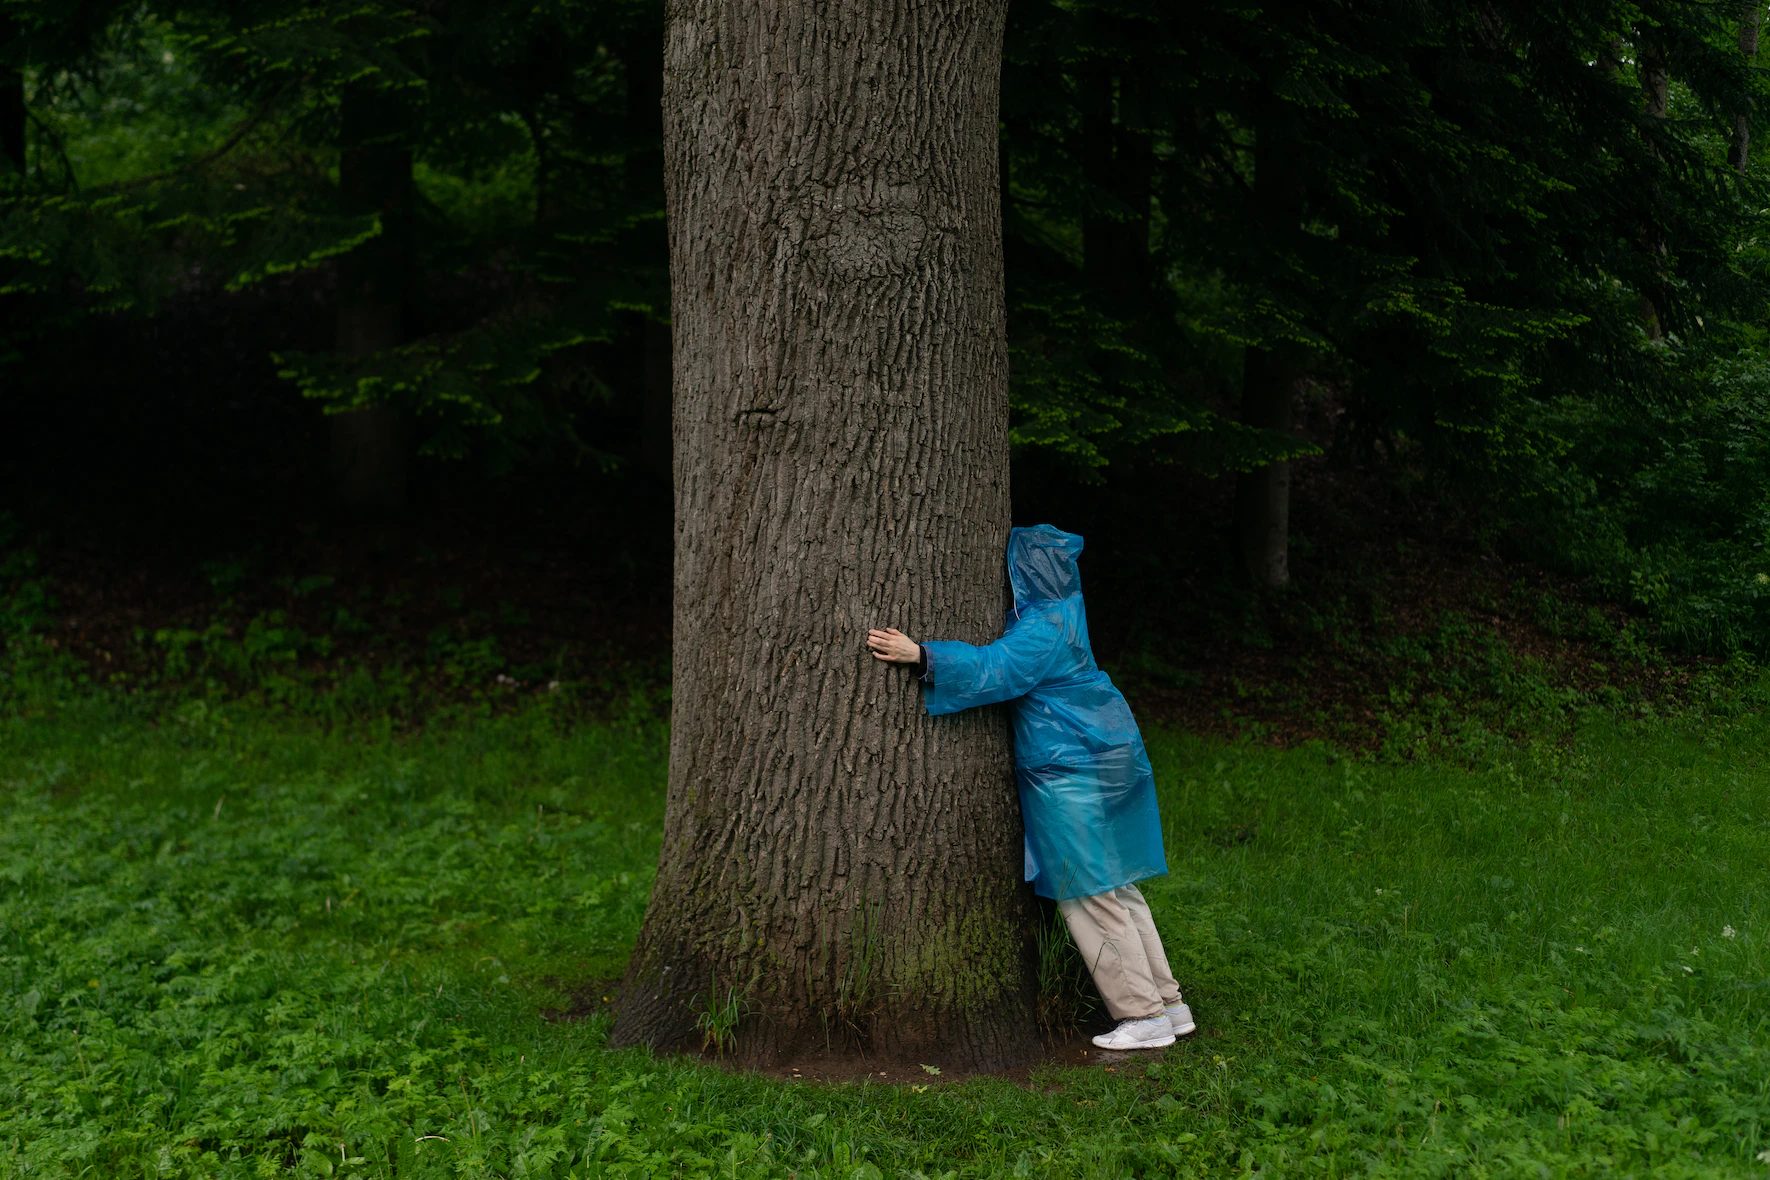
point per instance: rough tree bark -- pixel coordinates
(12, 100)
(1269, 376)
(1751, 18)
(368, 448)
(844, 865)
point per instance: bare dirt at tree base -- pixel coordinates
(850, 1067)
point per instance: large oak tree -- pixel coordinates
(838, 867)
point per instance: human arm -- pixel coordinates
(963, 675)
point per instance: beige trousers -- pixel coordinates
(1117, 938)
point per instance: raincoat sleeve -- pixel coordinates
(963, 676)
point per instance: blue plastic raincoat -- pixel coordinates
(1086, 790)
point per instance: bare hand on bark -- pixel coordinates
(893, 646)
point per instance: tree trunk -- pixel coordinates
(368, 447)
(1269, 375)
(642, 55)
(1751, 18)
(12, 100)
(841, 867)
(1117, 164)
(654, 420)
(1263, 496)
(1655, 78)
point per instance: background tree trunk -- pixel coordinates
(1269, 375)
(1751, 17)
(1117, 163)
(368, 447)
(12, 100)
(1655, 77)
(654, 421)
(845, 865)
(1263, 496)
(642, 54)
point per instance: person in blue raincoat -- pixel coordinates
(1087, 793)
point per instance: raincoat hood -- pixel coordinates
(1042, 564)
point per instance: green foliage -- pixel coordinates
(1668, 508)
(1472, 228)
(509, 375)
(25, 604)
(1066, 995)
(144, 178)
(1291, 178)
(266, 659)
(237, 946)
(532, 107)
(1085, 391)
(141, 109)
(184, 145)
(1500, 267)
(352, 665)
(717, 1019)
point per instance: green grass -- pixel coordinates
(236, 944)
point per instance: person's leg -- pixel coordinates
(1159, 972)
(1104, 933)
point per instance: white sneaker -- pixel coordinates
(1180, 1016)
(1153, 1032)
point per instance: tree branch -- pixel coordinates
(246, 128)
(60, 150)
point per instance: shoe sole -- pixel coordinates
(1185, 1030)
(1162, 1044)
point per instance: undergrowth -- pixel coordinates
(265, 658)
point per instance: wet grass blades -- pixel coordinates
(717, 1020)
(234, 946)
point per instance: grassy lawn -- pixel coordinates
(236, 945)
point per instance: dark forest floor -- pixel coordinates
(1399, 615)
(529, 593)
(1395, 610)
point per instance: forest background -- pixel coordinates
(1474, 279)
(1403, 364)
